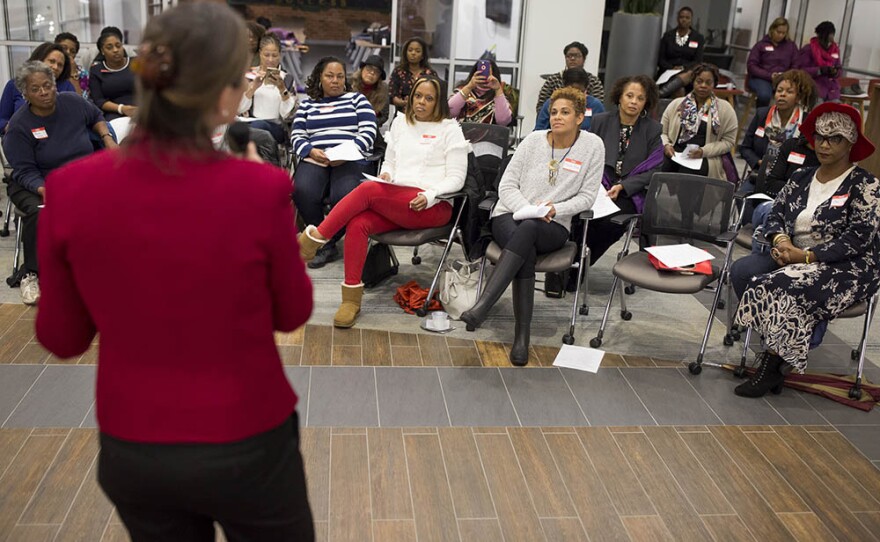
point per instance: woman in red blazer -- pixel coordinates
(185, 261)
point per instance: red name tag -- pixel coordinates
(839, 201)
(40, 133)
(570, 164)
(327, 109)
(797, 158)
(769, 48)
(759, 131)
(693, 44)
(427, 139)
(588, 112)
(835, 55)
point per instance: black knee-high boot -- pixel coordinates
(523, 303)
(506, 268)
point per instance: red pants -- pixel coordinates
(377, 208)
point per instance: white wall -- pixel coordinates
(475, 33)
(550, 26)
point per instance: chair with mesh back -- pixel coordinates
(490, 143)
(678, 208)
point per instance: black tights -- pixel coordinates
(528, 238)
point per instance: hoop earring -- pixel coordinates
(644, 113)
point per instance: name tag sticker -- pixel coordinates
(835, 55)
(693, 44)
(769, 48)
(427, 139)
(40, 133)
(327, 109)
(588, 112)
(796, 158)
(839, 201)
(759, 131)
(705, 117)
(570, 164)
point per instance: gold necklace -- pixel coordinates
(553, 164)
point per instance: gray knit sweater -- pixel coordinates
(525, 179)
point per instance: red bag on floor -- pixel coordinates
(411, 296)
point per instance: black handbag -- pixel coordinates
(380, 265)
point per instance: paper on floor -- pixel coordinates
(579, 357)
(679, 255)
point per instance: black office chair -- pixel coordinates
(682, 207)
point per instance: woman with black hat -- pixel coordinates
(369, 80)
(826, 248)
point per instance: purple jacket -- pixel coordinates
(765, 59)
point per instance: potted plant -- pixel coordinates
(634, 40)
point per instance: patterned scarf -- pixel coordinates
(690, 116)
(777, 133)
(481, 108)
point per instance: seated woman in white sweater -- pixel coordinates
(426, 158)
(561, 168)
(268, 99)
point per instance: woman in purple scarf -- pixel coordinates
(633, 152)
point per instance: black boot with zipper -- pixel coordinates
(523, 304)
(506, 268)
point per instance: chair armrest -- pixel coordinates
(586, 215)
(741, 193)
(623, 219)
(488, 203)
(452, 196)
(726, 237)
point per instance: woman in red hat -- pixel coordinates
(826, 248)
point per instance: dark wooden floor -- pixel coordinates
(517, 484)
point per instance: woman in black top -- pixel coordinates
(111, 82)
(681, 47)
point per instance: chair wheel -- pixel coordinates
(584, 311)
(626, 315)
(739, 372)
(629, 290)
(855, 392)
(720, 305)
(4, 233)
(736, 334)
(421, 311)
(469, 327)
(595, 342)
(854, 355)
(568, 339)
(728, 340)
(416, 260)
(695, 368)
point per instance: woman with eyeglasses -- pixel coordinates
(826, 249)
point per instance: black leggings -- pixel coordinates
(528, 238)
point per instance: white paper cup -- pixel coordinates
(439, 320)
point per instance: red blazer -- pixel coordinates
(185, 276)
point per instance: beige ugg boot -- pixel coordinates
(309, 244)
(351, 305)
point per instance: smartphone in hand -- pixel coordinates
(484, 68)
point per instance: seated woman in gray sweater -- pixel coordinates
(560, 168)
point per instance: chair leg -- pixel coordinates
(17, 252)
(695, 367)
(582, 274)
(423, 310)
(6, 218)
(596, 341)
(741, 370)
(856, 391)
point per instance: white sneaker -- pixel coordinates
(30, 289)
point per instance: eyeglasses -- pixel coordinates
(831, 140)
(573, 56)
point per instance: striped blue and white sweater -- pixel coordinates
(328, 122)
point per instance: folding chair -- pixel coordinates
(416, 238)
(681, 207)
(863, 308)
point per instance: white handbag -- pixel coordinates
(458, 286)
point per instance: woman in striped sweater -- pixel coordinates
(330, 116)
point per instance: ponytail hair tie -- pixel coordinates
(154, 65)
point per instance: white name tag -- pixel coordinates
(796, 158)
(769, 48)
(427, 139)
(588, 112)
(839, 201)
(835, 55)
(693, 44)
(759, 131)
(705, 117)
(327, 109)
(40, 133)
(572, 165)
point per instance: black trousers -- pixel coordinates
(28, 203)
(603, 233)
(254, 488)
(528, 238)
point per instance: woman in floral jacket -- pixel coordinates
(826, 248)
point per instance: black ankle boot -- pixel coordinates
(506, 268)
(523, 303)
(768, 377)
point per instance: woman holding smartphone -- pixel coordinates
(268, 98)
(484, 97)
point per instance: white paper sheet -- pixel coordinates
(679, 255)
(690, 163)
(369, 177)
(604, 206)
(666, 76)
(579, 357)
(762, 197)
(348, 152)
(531, 211)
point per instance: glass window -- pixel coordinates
(488, 25)
(430, 20)
(826, 10)
(863, 49)
(31, 21)
(746, 31)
